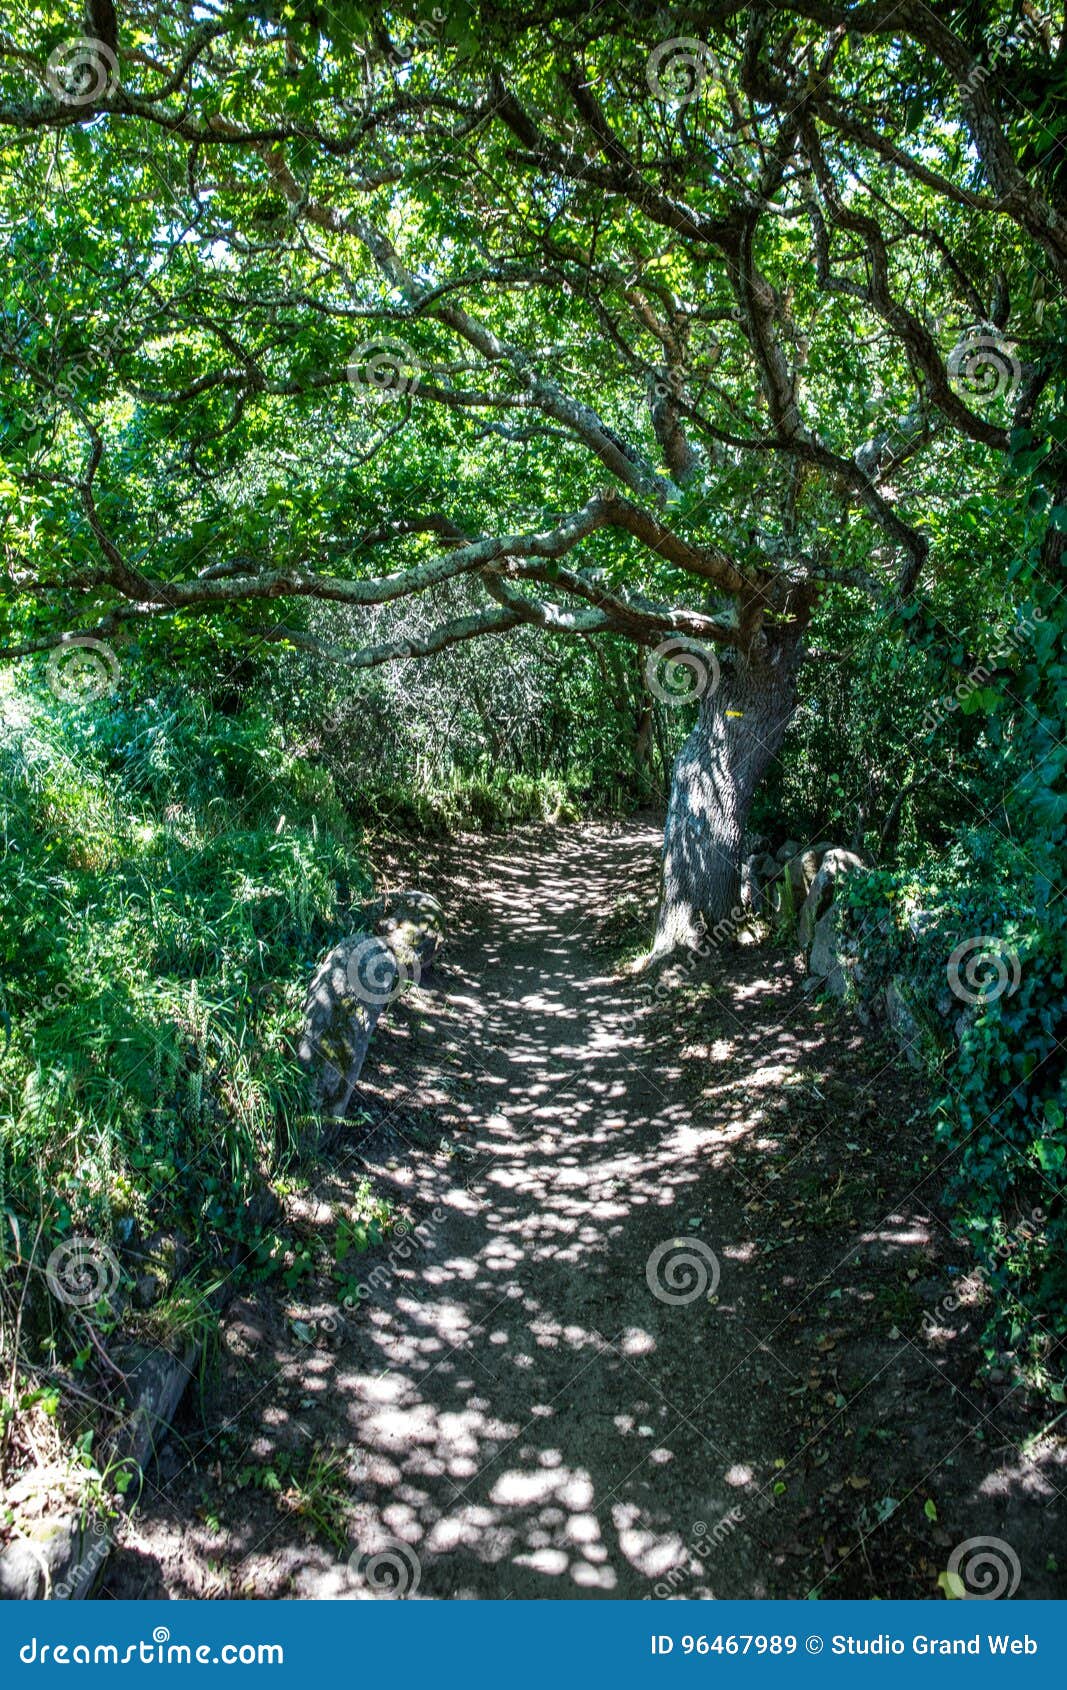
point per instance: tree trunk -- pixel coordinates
(739, 730)
(643, 741)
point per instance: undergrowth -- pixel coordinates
(977, 943)
(166, 891)
(172, 873)
(170, 878)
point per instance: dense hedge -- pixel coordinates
(170, 878)
(981, 957)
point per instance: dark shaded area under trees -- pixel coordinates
(419, 421)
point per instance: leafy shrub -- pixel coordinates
(171, 876)
(473, 802)
(982, 947)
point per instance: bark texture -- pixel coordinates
(739, 729)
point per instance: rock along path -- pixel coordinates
(573, 1374)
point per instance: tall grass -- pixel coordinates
(169, 877)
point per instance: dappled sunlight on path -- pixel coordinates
(576, 1371)
(576, 1152)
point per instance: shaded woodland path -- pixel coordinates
(513, 1409)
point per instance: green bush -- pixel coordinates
(979, 940)
(473, 802)
(170, 878)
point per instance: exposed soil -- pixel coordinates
(515, 1408)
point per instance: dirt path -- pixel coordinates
(541, 1392)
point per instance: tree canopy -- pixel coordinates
(634, 322)
(685, 388)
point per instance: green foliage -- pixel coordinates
(474, 802)
(974, 938)
(171, 876)
(182, 305)
(314, 1485)
(491, 734)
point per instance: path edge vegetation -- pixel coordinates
(698, 411)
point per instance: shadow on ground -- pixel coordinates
(665, 1315)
